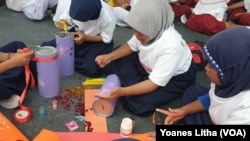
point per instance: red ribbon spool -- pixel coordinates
(24, 113)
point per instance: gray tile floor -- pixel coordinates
(15, 26)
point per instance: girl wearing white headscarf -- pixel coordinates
(155, 66)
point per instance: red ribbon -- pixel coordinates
(49, 59)
(19, 115)
(24, 113)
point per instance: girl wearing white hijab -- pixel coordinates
(155, 66)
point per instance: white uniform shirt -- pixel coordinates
(232, 110)
(62, 5)
(36, 9)
(16, 5)
(166, 57)
(104, 25)
(215, 8)
(121, 14)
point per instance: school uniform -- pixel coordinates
(167, 63)
(191, 94)
(182, 8)
(15, 5)
(121, 13)
(102, 24)
(13, 81)
(226, 103)
(36, 9)
(62, 5)
(216, 105)
(207, 17)
(32, 9)
(243, 19)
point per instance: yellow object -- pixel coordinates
(91, 83)
(63, 24)
(111, 3)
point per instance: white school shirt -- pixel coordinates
(36, 9)
(16, 5)
(62, 5)
(104, 25)
(164, 58)
(216, 8)
(121, 14)
(232, 110)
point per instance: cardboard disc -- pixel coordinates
(103, 108)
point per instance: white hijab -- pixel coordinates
(150, 17)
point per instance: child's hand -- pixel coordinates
(102, 60)
(20, 58)
(80, 37)
(62, 25)
(172, 115)
(114, 94)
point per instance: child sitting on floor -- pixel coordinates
(33, 9)
(207, 17)
(12, 74)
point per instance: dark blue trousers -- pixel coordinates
(13, 81)
(85, 56)
(190, 95)
(130, 71)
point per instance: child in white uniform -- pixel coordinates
(33, 9)
(93, 26)
(121, 12)
(207, 17)
(155, 66)
(227, 101)
(60, 13)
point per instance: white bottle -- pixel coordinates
(126, 127)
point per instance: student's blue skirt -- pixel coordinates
(130, 72)
(190, 95)
(85, 56)
(13, 81)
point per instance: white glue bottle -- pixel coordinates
(126, 127)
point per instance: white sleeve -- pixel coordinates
(120, 14)
(240, 116)
(108, 23)
(133, 43)
(62, 10)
